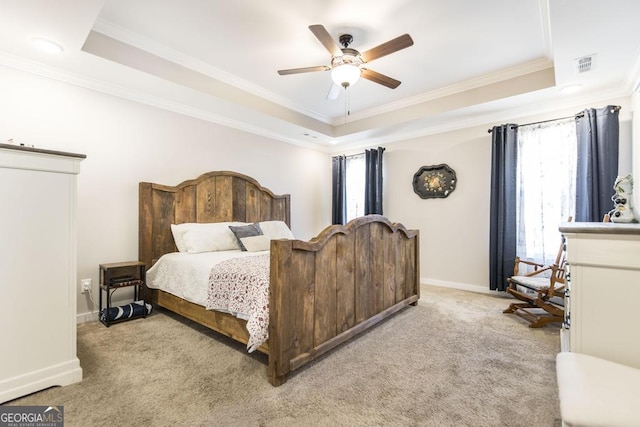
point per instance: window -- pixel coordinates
(355, 186)
(546, 178)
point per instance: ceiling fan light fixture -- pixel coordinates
(345, 75)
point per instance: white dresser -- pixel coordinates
(604, 283)
(37, 270)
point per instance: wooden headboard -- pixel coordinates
(218, 196)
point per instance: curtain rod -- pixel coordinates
(357, 154)
(543, 121)
(350, 155)
(575, 116)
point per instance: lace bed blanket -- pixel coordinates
(241, 286)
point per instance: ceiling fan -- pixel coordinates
(347, 64)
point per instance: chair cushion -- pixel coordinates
(531, 282)
(597, 392)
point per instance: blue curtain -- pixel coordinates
(598, 137)
(373, 181)
(339, 190)
(502, 239)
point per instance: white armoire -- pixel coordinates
(601, 314)
(37, 270)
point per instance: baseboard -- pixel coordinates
(454, 285)
(61, 374)
(87, 317)
(91, 316)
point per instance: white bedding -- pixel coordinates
(204, 274)
(186, 275)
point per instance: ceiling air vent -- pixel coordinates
(584, 64)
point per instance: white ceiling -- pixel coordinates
(218, 60)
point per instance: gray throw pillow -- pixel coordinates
(241, 231)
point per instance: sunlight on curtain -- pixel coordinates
(355, 186)
(545, 187)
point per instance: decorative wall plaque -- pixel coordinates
(434, 181)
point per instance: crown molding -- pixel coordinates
(545, 25)
(477, 119)
(123, 35)
(484, 80)
(126, 36)
(32, 67)
(447, 124)
(632, 82)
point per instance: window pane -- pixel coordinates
(355, 186)
(546, 187)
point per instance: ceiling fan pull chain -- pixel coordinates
(346, 103)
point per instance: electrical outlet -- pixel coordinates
(85, 285)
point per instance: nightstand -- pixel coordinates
(120, 275)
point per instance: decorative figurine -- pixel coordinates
(622, 200)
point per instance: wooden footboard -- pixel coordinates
(325, 291)
(322, 292)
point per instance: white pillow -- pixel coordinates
(276, 230)
(204, 237)
(256, 243)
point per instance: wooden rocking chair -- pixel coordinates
(543, 288)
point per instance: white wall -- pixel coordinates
(126, 142)
(454, 231)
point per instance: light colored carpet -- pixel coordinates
(453, 360)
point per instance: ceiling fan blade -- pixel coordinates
(334, 92)
(379, 78)
(325, 38)
(387, 48)
(304, 70)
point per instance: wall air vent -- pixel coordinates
(584, 64)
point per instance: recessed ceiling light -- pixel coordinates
(569, 89)
(47, 46)
(333, 141)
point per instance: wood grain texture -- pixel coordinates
(212, 197)
(346, 278)
(356, 272)
(322, 292)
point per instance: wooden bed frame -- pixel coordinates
(322, 292)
